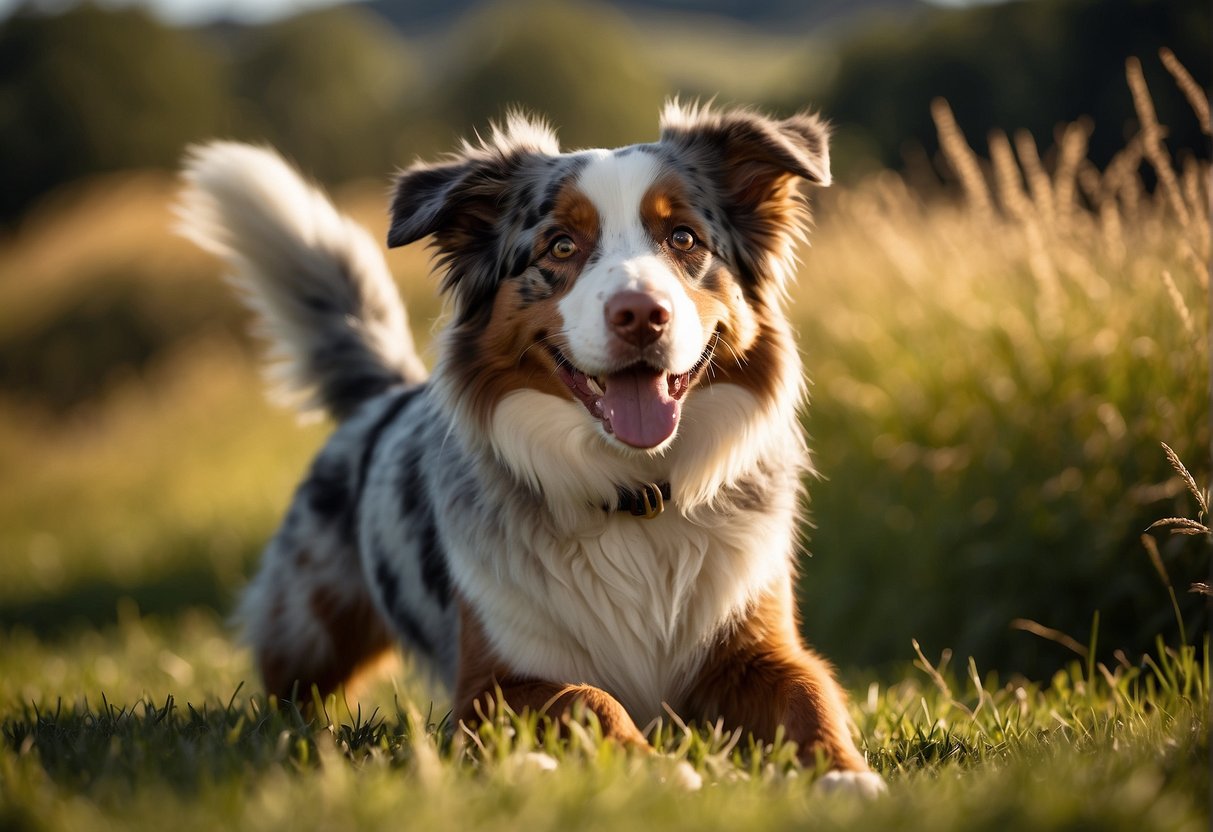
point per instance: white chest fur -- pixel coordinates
(577, 595)
(631, 608)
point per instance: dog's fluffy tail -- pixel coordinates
(316, 280)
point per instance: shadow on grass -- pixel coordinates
(95, 604)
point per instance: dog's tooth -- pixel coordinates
(594, 386)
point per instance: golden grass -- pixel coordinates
(1196, 96)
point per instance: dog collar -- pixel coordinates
(647, 501)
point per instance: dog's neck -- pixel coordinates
(647, 500)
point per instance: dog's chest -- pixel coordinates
(631, 606)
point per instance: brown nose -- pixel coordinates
(638, 317)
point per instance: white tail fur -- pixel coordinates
(316, 280)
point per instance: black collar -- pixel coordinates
(647, 501)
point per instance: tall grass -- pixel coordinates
(992, 378)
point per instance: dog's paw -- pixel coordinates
(679, 773)
(537, 761)
(866, 784)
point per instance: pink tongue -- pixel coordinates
(637, 403)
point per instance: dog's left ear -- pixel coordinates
(753, 163)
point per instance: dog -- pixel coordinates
(594, 496)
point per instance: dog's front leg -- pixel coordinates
(483, 678)
(761, 691)
(557, 702)
(761, 677)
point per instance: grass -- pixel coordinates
(992, 379)
(1124, 747)
(992, 436)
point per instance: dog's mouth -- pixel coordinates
(639, 404)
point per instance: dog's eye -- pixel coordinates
(683, 239)
(563, 248)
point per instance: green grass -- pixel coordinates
(163, 728)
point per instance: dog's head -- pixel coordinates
(617, 280)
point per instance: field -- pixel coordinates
(994, 373)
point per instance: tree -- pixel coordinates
(572, 63)
(92, 90)
(328, 88)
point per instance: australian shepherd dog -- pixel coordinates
(593, 498)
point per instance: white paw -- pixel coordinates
(866, 784)
(538, 761)
(680, 774)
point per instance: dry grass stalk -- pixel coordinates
(1038, 180)
(1199, 264)
(962, 158)
(1048, 290)
(1181, 307)
(1038, 629)
(1007, 177)
(1073, 152)
(1181, 525)
(1191, 89)
(1194, 176)
(1109, 215)
(1121, 179)
(936, 673)
(1090, 180)
(1188, 479)
(1156, 559)
(1018, 205)
(1152, 134)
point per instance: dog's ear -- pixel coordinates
(752, 163)
(464, 193)
(467, 202)
(424, 200)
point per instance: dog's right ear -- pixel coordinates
(462, 203)
(424, 200)
(471, 202)
(460, 199)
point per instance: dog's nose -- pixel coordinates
(638, 318)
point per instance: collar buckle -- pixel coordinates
(647, 501)
(651, 501)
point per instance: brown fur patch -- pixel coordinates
(761, 676)
(753, 350)
(575, 214)
(357, 638)
(482, 677)
(666, 206)
(508, 353)
(762, 365)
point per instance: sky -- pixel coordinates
(248, 11)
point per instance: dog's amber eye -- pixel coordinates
(563, 248)
(682, 239)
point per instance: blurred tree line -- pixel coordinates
(347, 94)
